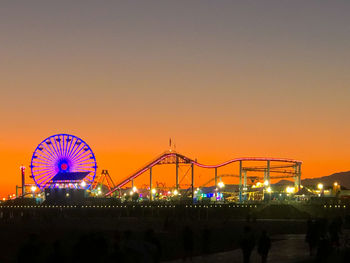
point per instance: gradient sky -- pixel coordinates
(224, 79)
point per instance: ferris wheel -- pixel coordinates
(63, 160)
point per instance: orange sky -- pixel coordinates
(222, 79)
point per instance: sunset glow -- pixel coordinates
(222, 80)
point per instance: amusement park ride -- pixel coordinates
(103, 180)
(64, 161)
(288, 167)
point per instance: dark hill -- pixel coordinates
(343, 178)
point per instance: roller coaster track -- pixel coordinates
(171, 157)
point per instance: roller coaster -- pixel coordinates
(286, 168)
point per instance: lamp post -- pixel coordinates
(33, 188)
(320, 187)
(220, 185)
(23, 169)
(153, 192)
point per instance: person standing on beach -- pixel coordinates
(264, 246)
(247, 243)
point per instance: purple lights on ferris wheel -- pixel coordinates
(63, 159)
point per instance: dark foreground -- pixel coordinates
(107, 234)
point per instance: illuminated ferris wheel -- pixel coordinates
(63, 160)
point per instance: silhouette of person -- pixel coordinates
(334, 232)
(324, 249)
(188, 242)
(156, 248)
(264, 246)
(247, 243)
(312, 235)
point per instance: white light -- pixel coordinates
(176, 192)
(134, 189)
(290, 190)
(266, 183)
(269, 189)
(131, 192)
(33, 188)
(258, 184)
(320, 186)
(154, 191)
(83, 184)
(221, 184)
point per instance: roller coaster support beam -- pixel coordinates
(177, 173)
(216, 176)
(268, 172)
(297, 178)
(150, 184)
(299, 175)
(192, 181)
(245, 185)
(240, 181)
